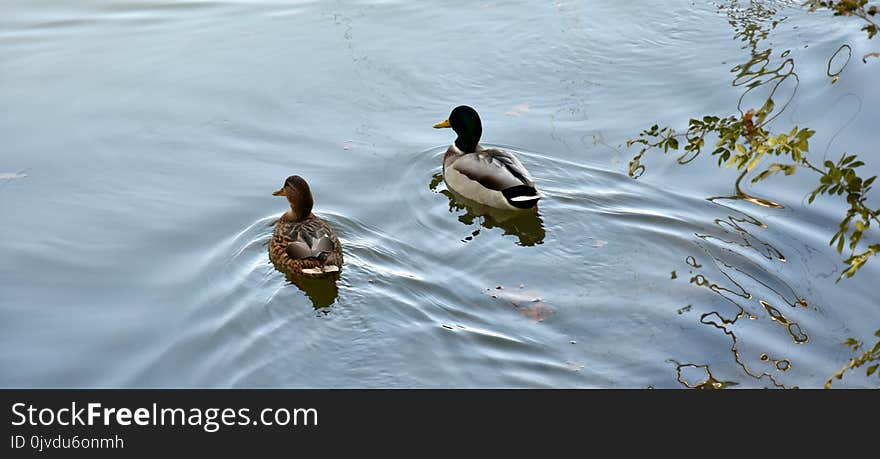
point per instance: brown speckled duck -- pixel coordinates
(302, 243)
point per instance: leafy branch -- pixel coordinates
(857, 8)
(742, 142)
(865, 358)
(840, 180)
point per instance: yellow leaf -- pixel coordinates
(753, 162)
(730, 161)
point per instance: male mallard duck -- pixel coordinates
(491, 177)
(303, 243)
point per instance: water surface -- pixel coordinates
(142, 141)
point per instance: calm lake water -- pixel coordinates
(141, 142)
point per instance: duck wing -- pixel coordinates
(494, 169)
(322, 246)
(298, 250)
(310, 239)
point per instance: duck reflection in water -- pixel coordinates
(322, 291)
(526, 225)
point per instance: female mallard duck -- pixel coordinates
(303, 243)
(491, 177)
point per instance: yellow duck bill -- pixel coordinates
(442, 124)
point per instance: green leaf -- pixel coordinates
(761, 176)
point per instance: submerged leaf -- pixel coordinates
(518, 109)
(11, 175)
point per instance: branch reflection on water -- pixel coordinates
(748, 289)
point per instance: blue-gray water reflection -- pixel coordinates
(142, 140)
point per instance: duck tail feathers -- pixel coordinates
(522, 196)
